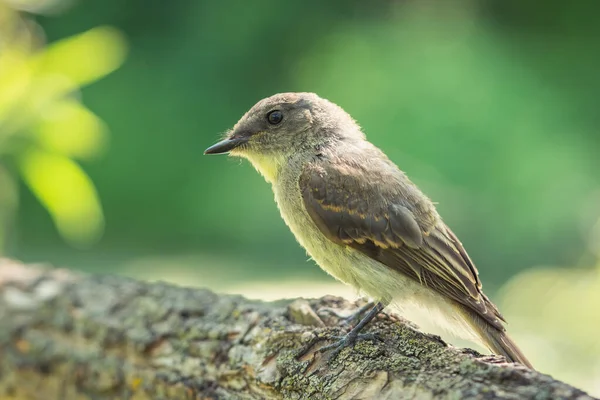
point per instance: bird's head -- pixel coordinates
(283, 125)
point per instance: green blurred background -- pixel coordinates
(490, 106)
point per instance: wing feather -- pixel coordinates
(390, 220)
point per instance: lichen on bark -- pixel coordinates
(65, 335)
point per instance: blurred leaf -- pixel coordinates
(67, 193)
(71, 129)
(86, 57)
(9, 200)
(43, 124)
(16, 76)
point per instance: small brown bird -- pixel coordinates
(361, 219)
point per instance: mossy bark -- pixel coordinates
(69, 336)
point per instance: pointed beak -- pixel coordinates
(225, 146)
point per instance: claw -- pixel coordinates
(348, 340)
(304, 351)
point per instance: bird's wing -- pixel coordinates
(388, 219)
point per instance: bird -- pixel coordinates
(362, 220)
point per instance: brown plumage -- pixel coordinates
(397, 226)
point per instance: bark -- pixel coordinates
(65, 335)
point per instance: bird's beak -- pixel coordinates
(225, 146)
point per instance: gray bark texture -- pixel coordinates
(65, 335)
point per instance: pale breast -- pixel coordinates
(347, 264)
(343, 263)
(325, 253)
(379, 282)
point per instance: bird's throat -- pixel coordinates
(267, 166)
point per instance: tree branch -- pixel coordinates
(69, 336)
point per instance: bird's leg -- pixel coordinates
(353, 316)
(351, 337)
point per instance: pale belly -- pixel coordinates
(371, 278)
(344, 263)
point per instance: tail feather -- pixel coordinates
(496, 340)
(500, 343)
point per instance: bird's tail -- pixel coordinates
(496, 340)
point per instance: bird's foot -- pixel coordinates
(339, 344)
(348, 340)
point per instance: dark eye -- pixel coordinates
(275, 117)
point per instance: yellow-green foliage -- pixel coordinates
(44, 127)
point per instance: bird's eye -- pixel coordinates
(275, 117)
